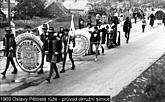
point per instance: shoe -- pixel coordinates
(40, 72)
(48, 80)
(57, 76)
(14, 72)
(3, 73)
(95, 59)
(4, 77)
(73, 68)
(62, 71)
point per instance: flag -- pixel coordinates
(71, 33)
(13, 28)
(72, 28)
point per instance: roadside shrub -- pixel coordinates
(3, 24)
(155, 90)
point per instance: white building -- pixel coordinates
(77, 6)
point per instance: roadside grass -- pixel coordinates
(148, 87)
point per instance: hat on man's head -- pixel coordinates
(95, 27)
(28, 27)
(66, 30)
(8, 29)
(51, 30)
(44, 26)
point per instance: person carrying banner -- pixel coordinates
(44, 39)
(54, 54)
(9, 44)
(69, 44)
(95, 41)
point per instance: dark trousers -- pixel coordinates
(135, 19)
(10, 59)
(70, 57)
(143, 28)
(97, 48)
(114, 36)
(53, 66)
(127, 36)
(102, 49)
(42, 63)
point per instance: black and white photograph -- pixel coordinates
(82, 50)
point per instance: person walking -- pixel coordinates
(69, 44)
(89, 21)
(144, 23)
(95, 41)
(152, 19)
(135, 16)
(44, 39)
(164, 20)
(127, 28)
(81, 22)
(115, 22)
(61, 32)
(98, 18)
(9, 44)
(54, 53)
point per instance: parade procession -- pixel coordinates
(65, 49)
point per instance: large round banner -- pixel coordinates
(28, 52)
(82, 43)
(159, 14)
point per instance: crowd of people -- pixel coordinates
(54, 42)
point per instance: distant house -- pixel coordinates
(55, 9)
(77, 6)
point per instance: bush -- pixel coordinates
(33, 22)
(155, 90)
(3, 24)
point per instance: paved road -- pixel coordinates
(113, 71)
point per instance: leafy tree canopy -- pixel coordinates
(28, 8)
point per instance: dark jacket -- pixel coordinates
(65, 41)
(115, 20)
(62, 33)
(44, 39)
(104, 33)
(127, 26)
(81, 23)
(54, 45)
(163, 19)
(95, 37)
(152, 19)
(8, 42)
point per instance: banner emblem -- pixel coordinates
(29, 53)
(82, 45)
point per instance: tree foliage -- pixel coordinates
(26, 9)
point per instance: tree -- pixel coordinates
(29, 8)
(1, 1)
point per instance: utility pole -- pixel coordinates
(9, 18)
(130, 4)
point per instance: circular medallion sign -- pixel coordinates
(82, 45)
(28, 52)
(159, 14)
